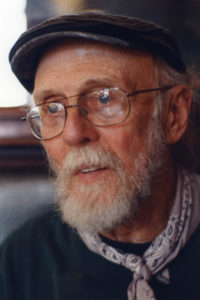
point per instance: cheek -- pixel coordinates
(130, 138)
(126, 143)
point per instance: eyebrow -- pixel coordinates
(96, 83)
(41, 95)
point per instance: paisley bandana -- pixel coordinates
(184, 219)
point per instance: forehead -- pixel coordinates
(84, 59)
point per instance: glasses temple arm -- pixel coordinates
(165, 88)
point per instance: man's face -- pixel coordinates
(101, 170)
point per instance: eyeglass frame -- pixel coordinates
(128, 95)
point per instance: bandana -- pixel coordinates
(182, 222)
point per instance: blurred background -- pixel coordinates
(24, 187)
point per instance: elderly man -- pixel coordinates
(112, 109)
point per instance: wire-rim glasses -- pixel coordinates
(102, 107)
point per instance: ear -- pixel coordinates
(178, 110)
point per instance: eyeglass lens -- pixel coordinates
(103, 107)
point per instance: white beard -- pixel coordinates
(110, 201)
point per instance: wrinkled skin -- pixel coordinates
(73, 68)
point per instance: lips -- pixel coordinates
(89, 170)
(92, 169)
(84, 170)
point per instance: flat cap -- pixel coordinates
(111, 29)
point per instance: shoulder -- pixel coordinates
(36, 236)
(193, 245)
(35, 226)
(188, 257)
(38, 257)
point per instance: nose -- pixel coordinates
(77, 130)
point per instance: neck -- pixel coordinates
(153, 214)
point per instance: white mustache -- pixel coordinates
(90, 157)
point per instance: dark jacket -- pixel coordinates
(46, 260)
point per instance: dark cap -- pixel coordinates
(111, 29)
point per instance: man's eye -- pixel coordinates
(104, 98)
(53, 108)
